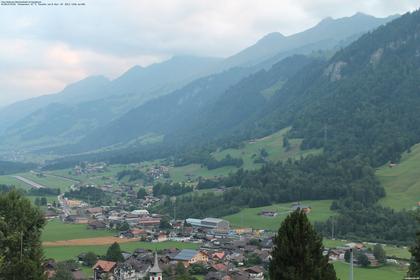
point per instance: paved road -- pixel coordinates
(29, 182)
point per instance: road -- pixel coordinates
(29, 182)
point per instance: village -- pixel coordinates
(222, 251)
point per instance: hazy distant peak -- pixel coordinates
(272, 37)
(91, 80)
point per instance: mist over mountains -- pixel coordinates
(177, 100)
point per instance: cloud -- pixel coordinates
(59, 45)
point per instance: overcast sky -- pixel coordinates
(44, 48)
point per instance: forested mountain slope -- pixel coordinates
(201, 108)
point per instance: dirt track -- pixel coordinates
(88, 241)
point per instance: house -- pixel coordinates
(255, 273)
(96, 225)
(218, 255)
(104, 270)
(94, 211)
(131, 269)
(140, 212)
(162, 237)
(305, 208)
(188, 257)
(268, 213)
(149, 222)
(218, 267)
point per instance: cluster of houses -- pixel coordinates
(214, 262)
(90, 168)
(157, 172)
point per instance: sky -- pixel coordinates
(44, 48)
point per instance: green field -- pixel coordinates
(273, 144)
(249, 217)
(70, 252)
(10, 181)
(388, 272)
(391, 250)
(56, 230)
(402, 182)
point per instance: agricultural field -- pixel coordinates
(389, 272)
(402, 182)
(249, 217)
(273, 144)
(56, 230)
(70, 252)
(9, 180)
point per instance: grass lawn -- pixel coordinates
(273, 144)
(388, 272)
(249, 217)
(70, 252)
(402, 182)
(56, 230)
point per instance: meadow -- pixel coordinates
(273, 144)
(70, 252)
(248, 217)
(56, 230)
(402, 182)
(388, 272)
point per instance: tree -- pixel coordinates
(37, 201)
(362, 259)
(124, 226)
(297, 252)
(64, 270)
(20, 230)
(347, 256)
(414, 270)
(114, 253)
(141, 193)
(90, 258)
(379, 253)
(43, 201)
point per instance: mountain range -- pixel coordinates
(164, 101)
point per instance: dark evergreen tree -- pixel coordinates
(20, 230)
(297, 252)
(114, 253)
(414, 270)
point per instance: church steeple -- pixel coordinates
(155, 271)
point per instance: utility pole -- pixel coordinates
(351, 264)
(332, 228)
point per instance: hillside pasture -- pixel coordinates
(248, 217)
(402, 182)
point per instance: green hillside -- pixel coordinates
(250, 151)
(402, 182)
(248, 217)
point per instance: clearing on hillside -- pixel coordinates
(402, 181)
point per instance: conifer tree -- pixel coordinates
(298, 250)
(21, 224)
(114, 253)
(414, 270)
